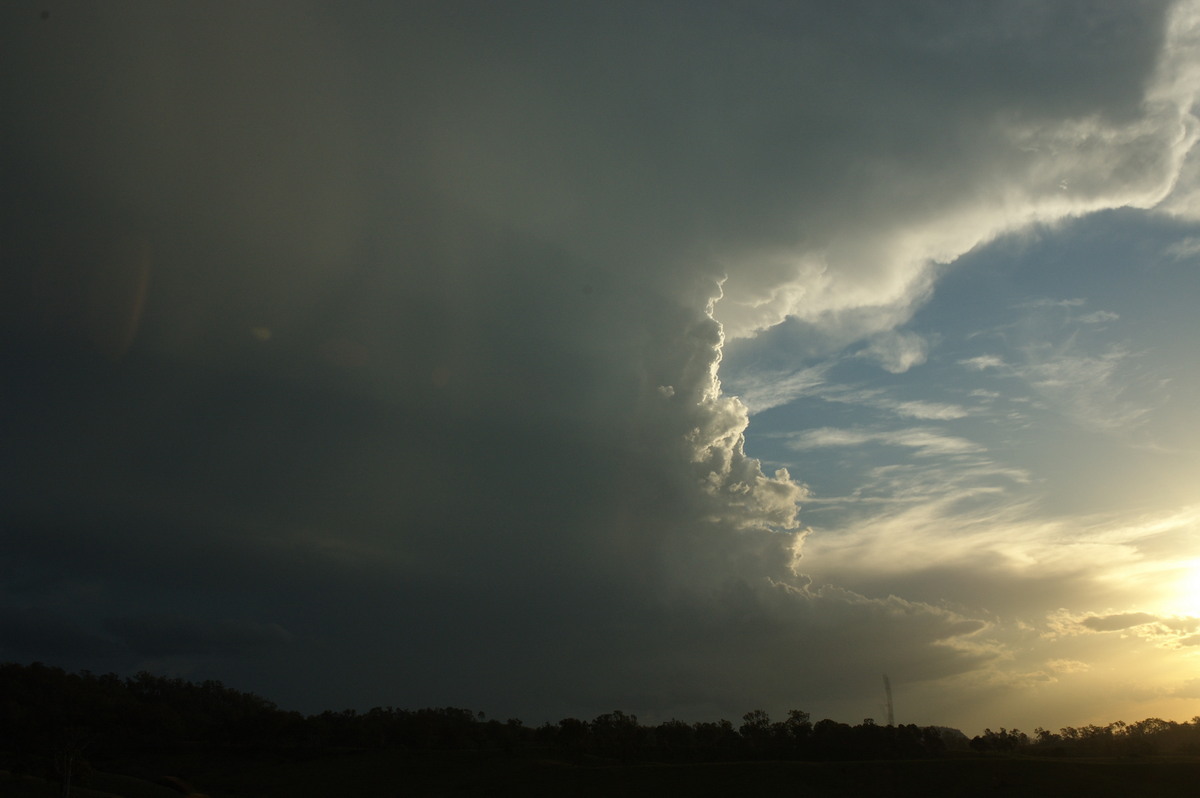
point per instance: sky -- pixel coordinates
(545, 359)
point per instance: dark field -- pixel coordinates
(384, 774)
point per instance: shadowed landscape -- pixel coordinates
(151, 737)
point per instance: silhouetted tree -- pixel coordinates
(756, 732)
(617, 734)
(675, 739)
(832, 740)
(715, 739)
(573, 736)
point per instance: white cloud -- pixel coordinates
(1177, 80)
(931, 442)
(763, 391)
(888, 269)
(927, 441)
(939, 411)
(896, 351)
(830, 436)
(983, 362)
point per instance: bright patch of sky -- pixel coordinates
(1066, 353)
(1051, 485)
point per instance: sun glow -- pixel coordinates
(1185, 592)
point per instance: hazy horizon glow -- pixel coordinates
(545, 359)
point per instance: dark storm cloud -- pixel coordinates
(164, 635)
(422, 388)
(36, 633)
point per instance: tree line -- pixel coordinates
(1149, 737)
(57, 724)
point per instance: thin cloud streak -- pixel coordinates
(927, 441)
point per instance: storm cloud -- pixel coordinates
(412, 377)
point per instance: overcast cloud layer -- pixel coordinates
(372, 355)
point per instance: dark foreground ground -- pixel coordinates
(383, 775)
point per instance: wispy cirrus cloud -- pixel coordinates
(940, 411)
(1091, 389)
(982, 362)
(927, 441)
(1186, 249)
(764, 391)
(761, 391)
(1047, 302)
(1067, 361)
(1098, 317)
(887, 403)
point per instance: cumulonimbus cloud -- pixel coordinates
(439, 302)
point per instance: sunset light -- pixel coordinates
(686, 359)
(1186, 592)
